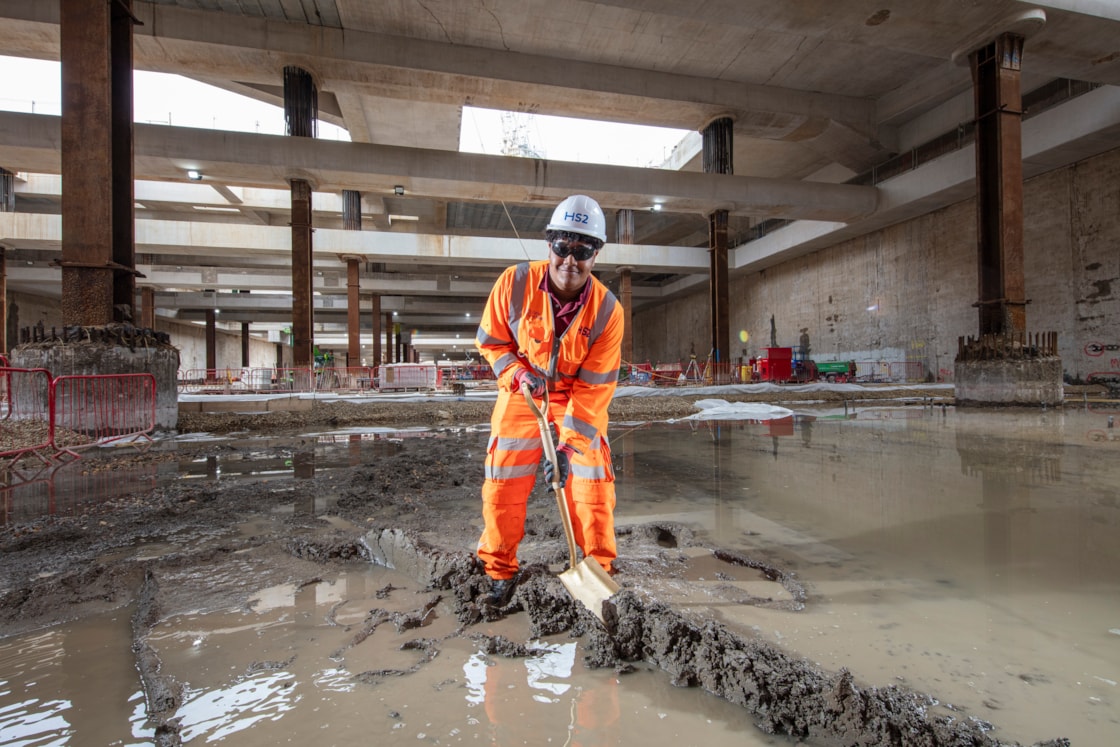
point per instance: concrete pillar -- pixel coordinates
(98, 248)
(245, 344)
(398, 352)
(353, 314)
(717, 159)
(300, 113)
(624, 222)
(148, 307)
(996, 73)
(375, 310)
(211, 344)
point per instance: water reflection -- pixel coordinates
(500, 686)
(70, 488)
(212, 715)
(71, 685)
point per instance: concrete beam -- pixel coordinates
(199, 240)
(30, 142)
(241, 47)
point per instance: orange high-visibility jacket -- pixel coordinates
(518, 329)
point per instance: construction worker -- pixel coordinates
(549, 326)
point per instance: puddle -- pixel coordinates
(295, 668)
(968, 555)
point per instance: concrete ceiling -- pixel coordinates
(820, 91)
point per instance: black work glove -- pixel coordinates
(526, 379)
(563, 465)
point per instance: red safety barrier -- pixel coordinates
(694, 373)
(25, 426)
(274, 380)
(102, 408)
(873, 371)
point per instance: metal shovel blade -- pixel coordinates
(588, 583)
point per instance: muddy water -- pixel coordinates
(972, 556)
(282, 672)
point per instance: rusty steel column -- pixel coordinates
(996, 73)
(211, 344)
(353, 314)
(351, 210)
(7, 191)
(389, 337)
(3, 303)
(624, 223)
(122, 192)
(7, 205)
(302, 294)
(375, 309)
(300, 112)
(98, 268)
(244, 344)
(352, 221)
(148, 307)
(717, 159)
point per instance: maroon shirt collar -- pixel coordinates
(565, 312)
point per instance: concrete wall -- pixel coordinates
(27, 311)
(905, 293)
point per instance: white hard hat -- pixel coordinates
(579, 214)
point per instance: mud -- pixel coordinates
(416, 511)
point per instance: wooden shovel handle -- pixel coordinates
(550, 455)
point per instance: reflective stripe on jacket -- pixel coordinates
(518, 329)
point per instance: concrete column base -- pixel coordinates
(104, 356)
(1015, 381)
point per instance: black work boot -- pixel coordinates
(500, 592)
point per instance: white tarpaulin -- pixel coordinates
(721, 409)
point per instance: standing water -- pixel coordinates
(968, 555)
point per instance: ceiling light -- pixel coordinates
(656, 207)
(398, 190)
(194, 175)
(403, 217)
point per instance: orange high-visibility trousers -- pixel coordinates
(512, 457)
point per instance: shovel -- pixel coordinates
(587, 582)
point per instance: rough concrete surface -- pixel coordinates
(61, 568)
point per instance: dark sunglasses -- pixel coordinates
(563, 249)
